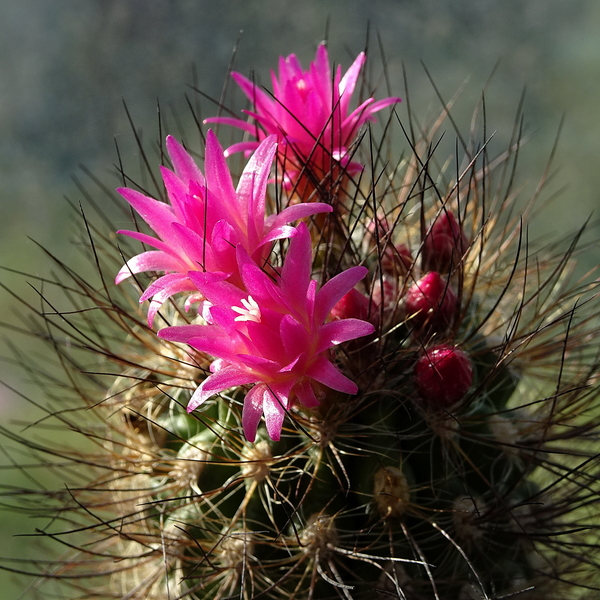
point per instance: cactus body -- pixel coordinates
(464, 467)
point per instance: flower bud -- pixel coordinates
(445, 243)
(430, 303)
(397, 259)
(353, 305)
(443, 376)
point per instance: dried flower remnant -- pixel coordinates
(309, 112)
(206, 219)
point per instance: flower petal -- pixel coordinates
(337, 332)
(306, 394)
(224, 379)
(323, 371)
(275, 404)
(295, 275)
(184, 165)
(217, 172)
(152, 260)
(252, 411)
(158, 215)
(335, 289)
(298, 211)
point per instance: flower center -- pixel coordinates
(249, 312)
(302, 88)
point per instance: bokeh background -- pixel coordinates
(66, 66)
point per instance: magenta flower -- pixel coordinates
(309, 112)
(206, 219)
(273, 334)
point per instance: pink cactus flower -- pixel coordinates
(274, 334)
(309, 112)
(206, 219)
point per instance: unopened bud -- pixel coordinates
(445, 244)
(443, 376)
(397, 259)
(353, 305)
(430, 303)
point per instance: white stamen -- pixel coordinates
(250, 312)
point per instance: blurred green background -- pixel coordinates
(67, 65)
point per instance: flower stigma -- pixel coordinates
(250, 312)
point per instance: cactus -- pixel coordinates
(464, 466)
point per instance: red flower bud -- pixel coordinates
(396, 259)
(445, 243)
(353, 305)
(430, 303)
(443, 376)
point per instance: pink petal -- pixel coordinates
(323, 371)
(278, 233)
(306, 394)
(337, 332)
(157, 214)
(159, 297)
(253, 92)
(354, 121)
(252, 188)
(152, 311)
(266, 341)
(224, 379)
(163, 289)
(348, 82)
(297, 266)
(182, 333)
(322, 73)
(294, 336)
(298, 211)
(210, 339)
(335, 289)
(218, 177)
(275, 404)
(151, 260)
(241, 147)
(380, 104)
(224, 317)
(166, 281)
(292, 365)
(184, 165)
(254, 279)
(233, 122)
(252, 411)
(150, 241)
(194, 246)
(258, 363)
(216, 290)
(177, 192)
